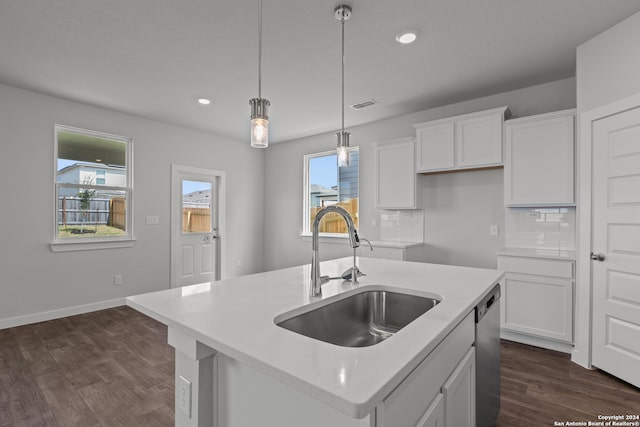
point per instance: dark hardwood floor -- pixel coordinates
(115, 368)
(107, 368)
(539, 387)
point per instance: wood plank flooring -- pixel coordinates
(540, 387)
(115, 368)
(107, 368)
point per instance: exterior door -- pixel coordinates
(616, 236)
(194, 225)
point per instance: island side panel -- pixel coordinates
(195, 405)
(247, 397)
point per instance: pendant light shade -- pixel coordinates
(342, 13)
(259, 105)
(342, 148)
(259, 123)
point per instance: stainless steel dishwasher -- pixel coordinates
(488, 359)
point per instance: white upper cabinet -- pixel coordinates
(539, 161)
(395, 174)
(469, 141)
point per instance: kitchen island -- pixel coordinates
(236, 367)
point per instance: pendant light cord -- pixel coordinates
(342, 20)
(260, 53)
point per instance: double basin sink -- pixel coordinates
(361, 319)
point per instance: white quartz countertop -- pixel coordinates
(236, 317)
(392, 244)
(539, 253)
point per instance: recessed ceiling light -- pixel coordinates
(407, 37)
(204, 101)
(98, 160)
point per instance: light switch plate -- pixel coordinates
(153, 220)
(184, 395)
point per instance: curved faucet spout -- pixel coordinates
(354, 241)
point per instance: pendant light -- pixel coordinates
(342, 13)
(259, 105)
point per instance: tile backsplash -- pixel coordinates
(540, 228)
(402, 226)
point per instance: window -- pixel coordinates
(92, 186)
(326, 184)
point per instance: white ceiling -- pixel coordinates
(154, 58)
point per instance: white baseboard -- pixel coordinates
(536, 342)
(57, 314)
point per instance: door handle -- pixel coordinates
(598, 257)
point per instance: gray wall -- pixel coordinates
(608, 66)
(35, 280)
(473, 197)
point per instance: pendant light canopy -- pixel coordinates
(342, 13)
(259, 105)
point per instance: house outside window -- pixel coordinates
(93, 187)
(326, 184)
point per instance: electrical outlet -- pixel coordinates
(117, 279)
(184, 395)
(533, 214)
(494, 230)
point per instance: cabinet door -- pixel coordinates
(435, 147)
(539, 164)
(434, 417)
(479, 141)
(396, 175)
(460, 393)
(538, 306)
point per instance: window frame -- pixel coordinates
(306, 226)
(84, 243)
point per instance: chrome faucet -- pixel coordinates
(316, 279)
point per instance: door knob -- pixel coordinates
(598, 257)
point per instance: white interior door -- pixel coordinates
(616, 236)
(195, 230)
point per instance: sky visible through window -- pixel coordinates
(63, 163)
(324, 171)
(191, 186)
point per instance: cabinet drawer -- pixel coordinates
(405, 406)
(537, 266)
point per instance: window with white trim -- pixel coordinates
(92, 186)
(326, 184)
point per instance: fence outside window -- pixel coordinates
(101, 211)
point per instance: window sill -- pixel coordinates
(90, 245)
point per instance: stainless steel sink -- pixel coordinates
(360, 320)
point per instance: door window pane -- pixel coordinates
(196, 206)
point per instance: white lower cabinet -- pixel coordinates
(443, 382)
(459, 393)
(537, 299)
(434, 417)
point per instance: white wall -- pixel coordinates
(608, 65)
(35, 280)
(475, 196)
